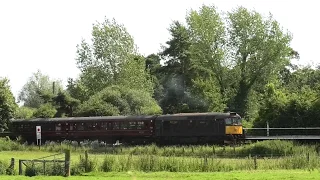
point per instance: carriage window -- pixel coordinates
(115, 125)
(140, 125)
(124, 125)
(80, 127)
(71, 126)
(58, 127)
(104, 125)
(132, 125)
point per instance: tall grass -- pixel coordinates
(155, 163)
(273, 148)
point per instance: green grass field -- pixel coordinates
(188, 162)
(238, 175)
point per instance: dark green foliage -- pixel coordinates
(290, 106)
(31, 171)
(65, 104)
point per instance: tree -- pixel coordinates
(207, 51)
(38, 89)
(207, 34)
(259, 49)
(156, 71)
(195, 72)
(177, 53)
(100, 63)
(176, 79)
(133, 75)
(8, 105)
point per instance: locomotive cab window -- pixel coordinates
(233, 121)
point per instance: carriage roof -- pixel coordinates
(134, 118)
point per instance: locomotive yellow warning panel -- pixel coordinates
(233, 129)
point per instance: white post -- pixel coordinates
(38, 134)
(267, 128)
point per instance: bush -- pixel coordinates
(107, 163)
(45, 111)
(3, 168)
(86, 164)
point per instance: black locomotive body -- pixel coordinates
(185, 128)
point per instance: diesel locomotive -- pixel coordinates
(183, 128)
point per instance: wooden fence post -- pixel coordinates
(20, 167)
(86, 161)
(10, 169)
(255, 162)
(67, 163)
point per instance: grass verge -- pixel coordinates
(237, 175)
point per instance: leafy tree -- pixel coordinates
(177, 57)
(207, 33)
(194, 67)
(176, 80)
(38, 90)
(100, 62)
(133, 75)
(259, 49)
(8, 105)
(207, 37)
(118, 100)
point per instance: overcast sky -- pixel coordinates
(44, 34)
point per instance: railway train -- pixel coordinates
(183, 128)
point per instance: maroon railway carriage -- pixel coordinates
(136, 129)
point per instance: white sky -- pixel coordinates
(44, 34)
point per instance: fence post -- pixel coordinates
(67, 163)
(267, 128)
(20, 167)
(255, 162)
(44, 167)
(10, 170)
(86, 161)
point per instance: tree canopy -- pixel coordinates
(8, 105)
